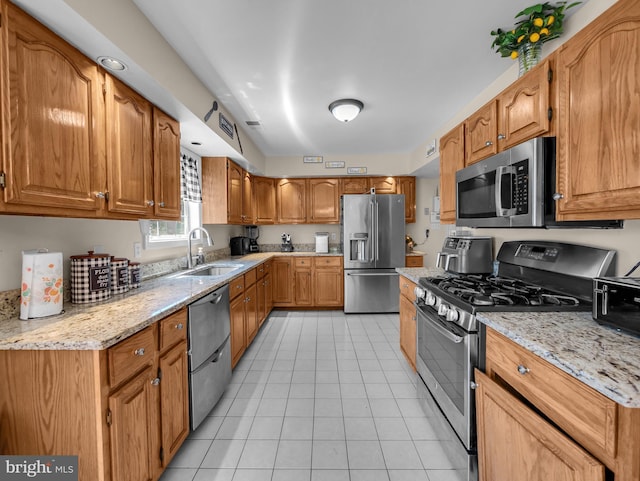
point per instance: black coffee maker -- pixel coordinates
(252, 232)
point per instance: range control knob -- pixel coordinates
(430, 299)
(452, 315)
(443, 309)
(419, 293)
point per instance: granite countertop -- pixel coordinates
(415, 273)
(600, 357)
(100, 325)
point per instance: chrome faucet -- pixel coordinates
(189, 237)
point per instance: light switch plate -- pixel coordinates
(137, 250)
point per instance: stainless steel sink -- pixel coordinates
(213, 271)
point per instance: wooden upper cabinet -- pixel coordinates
(247, 198)
(354, 185)
(52, 121)
(524, 108)
(166, 166)
(407, 186)
(323, 203)
(451, 160)
(481, 130)
(129, 150)
(264, 192)
(598, 143)
(235, 182)
(383, 185)
(291, 201)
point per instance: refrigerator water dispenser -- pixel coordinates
(358, 247)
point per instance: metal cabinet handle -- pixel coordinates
(150, 203)
(501, 136)
(161, 204)
(155, 382)
(179, 325)
(139, 351)
(523, 370)
(558, 196)
(100, 195)
(488, 143)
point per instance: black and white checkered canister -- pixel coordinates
(119, 275)
(90, 278)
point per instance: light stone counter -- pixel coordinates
(602, 358)
(415, 273)
(101, 325)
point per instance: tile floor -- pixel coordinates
(319, 396)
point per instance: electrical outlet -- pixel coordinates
(137, 250)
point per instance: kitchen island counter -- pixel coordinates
(600, 357)
(100, 325)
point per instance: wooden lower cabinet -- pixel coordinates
(251, 313)
(282, 277)
(535, 422)
(122, 427)
(238, 328)
(408, 333)
(328, 281)
(308, 282)
(517, 444)
(302, 281)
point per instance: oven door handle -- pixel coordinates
(501, 171)
(444, 331)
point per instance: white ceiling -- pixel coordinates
(413, 63)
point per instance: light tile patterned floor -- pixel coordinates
(319, 396)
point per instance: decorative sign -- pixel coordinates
(99, 278)
(356, 170)
(312, 159)
(334, 165)
(226, 126)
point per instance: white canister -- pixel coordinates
(119, 275)
(322, 242)
(90, 278)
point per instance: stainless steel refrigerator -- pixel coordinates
(373, 244)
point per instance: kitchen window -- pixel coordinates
(165, 234)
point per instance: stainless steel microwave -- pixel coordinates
(514, 189)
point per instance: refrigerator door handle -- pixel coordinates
(372, 236)
(377, 233)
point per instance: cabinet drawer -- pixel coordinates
(260, 271)
(173, 329)
(302, 262)
(250, 277)
(267, 267)
(131, 355)
(236, 287)
(332, 261)
(414, 261)
(407, 288)
(586, 415)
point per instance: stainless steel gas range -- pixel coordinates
(532, 276)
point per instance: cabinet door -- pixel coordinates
(323, 201)
(166, 166)
(407, 186)
(235, 181)
(598, 142)
(515, 443)
(481, 130)
(302, 286)
(174, 401)
(52, 121)
(238, 337)
(261, 297)
(134, 429)
(328, 287)
(523, 108)
(129, 150)
(268, 288)
(247, 199)
(383, 185)
(264, 190)
(282, 277)
(408, 340)
(291, 201)
(251, 314)
(354, 185)
(451, 160)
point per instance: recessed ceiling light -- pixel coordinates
(112, 63)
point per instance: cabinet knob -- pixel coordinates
(150, 203)
(488, 143)
(523, 370)
(473, 385)
(155, 381)
(557, 196)
(161, 204)
(501, 136)
(101, 195)
(139, 351)
(179, 325)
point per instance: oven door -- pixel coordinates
(447, 355)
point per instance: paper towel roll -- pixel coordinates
(42, 281)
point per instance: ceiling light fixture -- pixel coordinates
(346, 110)
(112, 63)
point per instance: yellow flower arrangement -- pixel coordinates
(542, 22)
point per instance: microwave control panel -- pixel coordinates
(520, 187)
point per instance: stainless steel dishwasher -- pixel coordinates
(209, 352)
